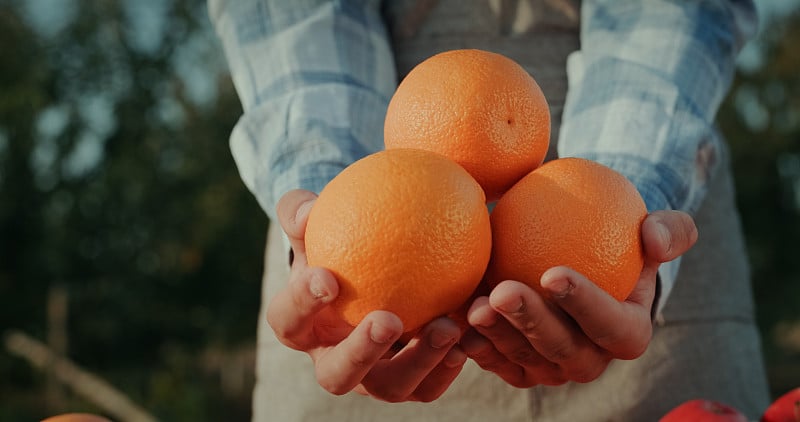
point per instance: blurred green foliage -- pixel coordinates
(117, 185)
(761, 119)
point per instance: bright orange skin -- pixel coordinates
(480, 109)
(402, 230)
(76, 417)
(571, 212)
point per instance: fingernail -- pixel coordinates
(439, 339)
(559, 287)
(664, 235)
(488, 321)
(455, 358)
(317, 288)
(381, 334)
(303, 209)
(512, 307)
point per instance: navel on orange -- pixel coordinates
(571, 212)
(403, 230)
(478, 108)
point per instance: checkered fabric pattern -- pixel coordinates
(315, 78)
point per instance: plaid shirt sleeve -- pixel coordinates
(314, 79)
(643, 94)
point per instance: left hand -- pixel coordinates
(359, 358)
(528, 340)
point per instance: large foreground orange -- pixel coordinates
(571, 212)
(480, 109)
(402, 230)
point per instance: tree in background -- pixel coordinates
(118, 187)
(761, 119)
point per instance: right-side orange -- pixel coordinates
(403, 230)
(480, 109)
(572, 212)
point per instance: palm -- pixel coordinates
(360, 358)
(529, 340)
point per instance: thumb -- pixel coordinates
(668, 235)
(292, 210)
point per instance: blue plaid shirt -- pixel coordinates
(315, 78)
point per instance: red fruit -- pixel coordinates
(702, 410)
(785, 408)
(76, 417)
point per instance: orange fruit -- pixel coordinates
(76, 417)
(403, 230)
(480, 109)
(572, 212)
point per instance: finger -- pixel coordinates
(644, 292)
(549, 331)
(507, 339)
(481, 314)
(342, 367)
(437, 382)
(291, 312)
(292, 210)
(659, 247)
(667, 235)
(482, 351)
(512, 355)
(411, 365)
(621, 328)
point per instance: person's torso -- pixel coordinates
(540, 35)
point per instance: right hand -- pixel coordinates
(529, 339)
(359, 358)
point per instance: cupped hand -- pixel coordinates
(573, 335)
(362, 358)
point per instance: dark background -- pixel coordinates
(129, 244)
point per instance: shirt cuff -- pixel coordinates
(667, 274)
(313, 144)
(643, 94)
(314, 80)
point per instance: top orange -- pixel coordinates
(480, 109)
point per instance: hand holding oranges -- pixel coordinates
(356, 358)
(402, 237)
(574, 333)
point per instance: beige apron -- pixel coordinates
(706, 345)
